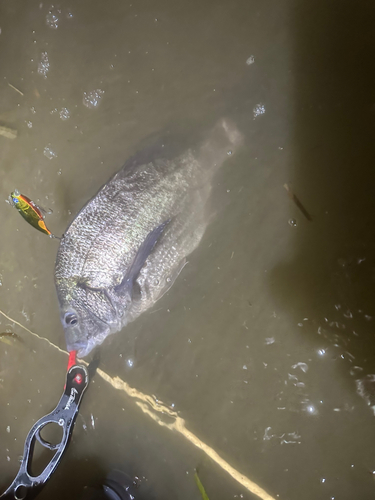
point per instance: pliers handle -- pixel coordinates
(26, 486)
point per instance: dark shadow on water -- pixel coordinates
(331, 274)
(80, 479)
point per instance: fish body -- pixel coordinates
(128, 244)
(29, 211)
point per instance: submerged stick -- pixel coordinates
(10, 133)
(15, 88)
(293, 197)
(147, 403)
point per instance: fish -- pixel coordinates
(30, 211)
(125, 248)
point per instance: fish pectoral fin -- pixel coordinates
(126, 285)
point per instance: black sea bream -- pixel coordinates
(128, 244)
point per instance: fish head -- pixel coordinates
(87, 316)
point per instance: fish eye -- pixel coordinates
(70, 319)
(15, 200)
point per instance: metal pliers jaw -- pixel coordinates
(26, 486)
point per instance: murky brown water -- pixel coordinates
(260, 342)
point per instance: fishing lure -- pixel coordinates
(30, 212)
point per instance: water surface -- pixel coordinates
(260, 342)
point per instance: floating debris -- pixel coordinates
(250, 60)
(269, 340)
(30, 212)
(366, 389)
(15, 88)
(10, 338)
(10, 133)
(303, 366)
(293, 197)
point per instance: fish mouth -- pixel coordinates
(83, 352)
(82, 348)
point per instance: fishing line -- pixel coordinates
(178, 425)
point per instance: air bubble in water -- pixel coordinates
(64, 114)
(311, 410)
(49, 153)
(292, 222)
(43, 65)
(52, 18)
(259, 109)
(92, 99)
(129, 362)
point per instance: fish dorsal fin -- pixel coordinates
(140, 258)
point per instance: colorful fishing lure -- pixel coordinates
(33, 214)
